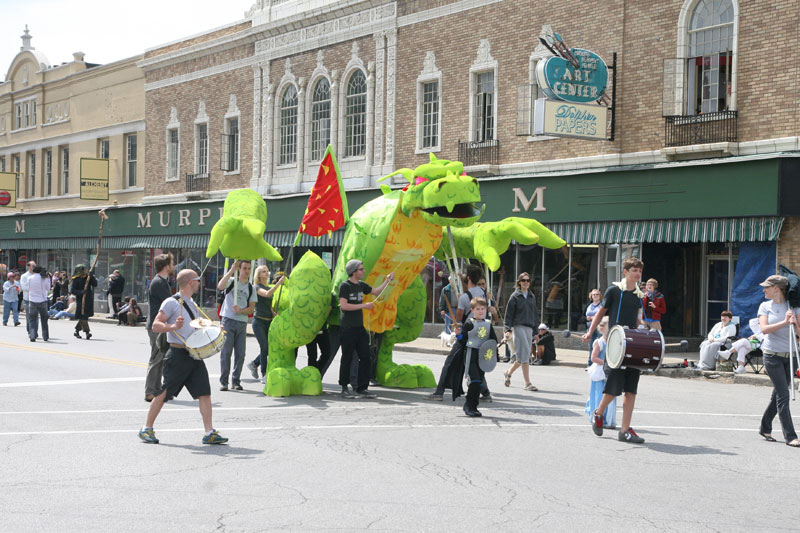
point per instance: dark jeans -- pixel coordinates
(37, 310)
(321, 341)
(441, 385)
(355, 340)
(261, 331)
(777, 368)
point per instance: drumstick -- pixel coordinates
(683, 345)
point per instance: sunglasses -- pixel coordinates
(524, 281)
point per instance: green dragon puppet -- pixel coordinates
(398, 232)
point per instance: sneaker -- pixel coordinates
(434, 397)
(347, 393)
(148, 436)
(214, 438)
(597, 425)
(486, 398)
(740, 370)
(251, 366)
(237, 386)
(630, 436)
(367, 394)
(149, 397)
(223, 388)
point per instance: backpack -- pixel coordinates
(221, 297)
(793, 292)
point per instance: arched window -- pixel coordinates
(710, 63)
(288, 153)
(356, 115)
(320, 118)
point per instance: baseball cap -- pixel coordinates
(775, 281)
(543, 326)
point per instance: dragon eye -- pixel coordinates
(441, 184)
(474, 181)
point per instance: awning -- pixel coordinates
(275, 238)
(747, 229)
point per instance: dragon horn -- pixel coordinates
(407, 173)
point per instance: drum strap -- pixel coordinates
(188, 310)
(619, 306)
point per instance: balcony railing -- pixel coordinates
(473, 153)
(682, 130)
(198, 182)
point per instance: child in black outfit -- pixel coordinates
(473, 334)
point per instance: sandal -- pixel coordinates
(794, 443)
(770, 438)
(508, 379)
(530, 387)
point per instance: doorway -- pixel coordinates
(676, 268)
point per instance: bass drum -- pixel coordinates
(642, 349)
(205, 342)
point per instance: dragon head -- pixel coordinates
(442, 193)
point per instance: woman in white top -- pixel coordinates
(774, 317)
(709, 348)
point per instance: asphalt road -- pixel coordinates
(71, 461)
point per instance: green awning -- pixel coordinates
(746, 229)
(275, 238)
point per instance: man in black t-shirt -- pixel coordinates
(353, 335)
(622, 303)
(158, 291)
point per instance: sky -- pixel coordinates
(106, 31)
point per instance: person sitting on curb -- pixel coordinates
(742, 347)
(709, 348)
(544, 346)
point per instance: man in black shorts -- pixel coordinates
(180, 369)
(622, 302)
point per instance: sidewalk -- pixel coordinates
(578, 359)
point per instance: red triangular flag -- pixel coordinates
(327, 206)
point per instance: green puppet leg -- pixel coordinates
(304, 306)
(407, 327)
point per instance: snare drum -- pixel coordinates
(205, 342)
(635, 348)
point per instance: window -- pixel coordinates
(2, 163)
(130, 159)
(33, 113)
(16, 164)
(484, 106)
(31, 174)
(320, 119)
(48, 172)
(710, 60)
(172, 154)
(356, 116)
(201, 149)
(103, 148)
(430, 114)
(19, 116)
(65, 170)
(288, 138)
(230, 146)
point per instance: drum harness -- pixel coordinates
(191, 316)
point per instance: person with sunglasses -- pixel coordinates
(521, 317)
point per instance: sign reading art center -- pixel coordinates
(8, 189)
(560, 79)
(555, 117)
(94, 179)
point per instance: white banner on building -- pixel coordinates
(565, 119)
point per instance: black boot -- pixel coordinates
(471, 405)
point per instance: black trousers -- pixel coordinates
(321, 341)
(476, 380)
(441, 385)
(355, 341)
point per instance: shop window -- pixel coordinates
(130, 159)
(320, 118)
(356, 115)
(288, 126)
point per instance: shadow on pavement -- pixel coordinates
(677, 449)
(217, 449)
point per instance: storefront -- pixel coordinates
(689, 222)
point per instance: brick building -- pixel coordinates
(698, 178)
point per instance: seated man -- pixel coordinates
(134, 312)
(544, 347)
(742, 347)
(709, 348)
(69, 312)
